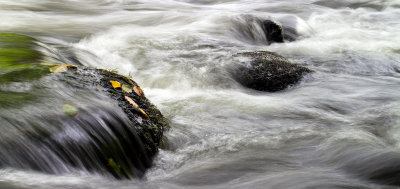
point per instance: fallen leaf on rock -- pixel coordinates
(59, 68)
(130, 100)
(126, 88)
(115, 84)
(133, 103)
(70, 66)
(144, 113)
(47, 64)
(138, 90)
(69, 109)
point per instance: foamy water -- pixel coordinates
(336, 129)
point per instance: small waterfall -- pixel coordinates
(98, 140)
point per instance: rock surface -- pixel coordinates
(267, 71)
(148, 120)
(273, 31)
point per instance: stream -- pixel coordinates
(338, 128)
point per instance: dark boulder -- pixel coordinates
(273, 31)
(267, 71)
(59, 118)
(146, 123)
(279, 33)
(262, 31)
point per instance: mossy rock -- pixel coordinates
(267, 71)
(150, 126)
(35, 130)
(132, 153)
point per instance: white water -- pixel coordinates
(330, 131)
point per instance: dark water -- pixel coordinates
(339, 128)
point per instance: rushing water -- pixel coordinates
(338, 128)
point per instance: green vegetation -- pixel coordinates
(19, 59)
(19, 62)
(10, 99)
(18, 51)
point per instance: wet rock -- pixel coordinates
(262, 31)
(72, 119)
(148, 120)
(279, 33)
(267, 71)
(137, 140)
(273, 31)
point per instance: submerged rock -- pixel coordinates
(60, 118)
(267, 71)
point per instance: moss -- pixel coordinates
(261, 54)
(22, 75)
(13, 99)
(19, 62)
(116, 167)
(17, 51)
(20, 58)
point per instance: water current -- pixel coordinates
(338, 128)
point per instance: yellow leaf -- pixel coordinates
(144, 113)
(70, 66)
(115, 84)
(133, 103)
(130, 100)
(47, 64)
(59, 68)
(126, 88)
(138, 90)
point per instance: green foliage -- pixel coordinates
(19, 62)
(19, 58)
(17, 51)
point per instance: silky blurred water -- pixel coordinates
(338, 128)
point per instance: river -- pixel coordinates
(338, 128)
